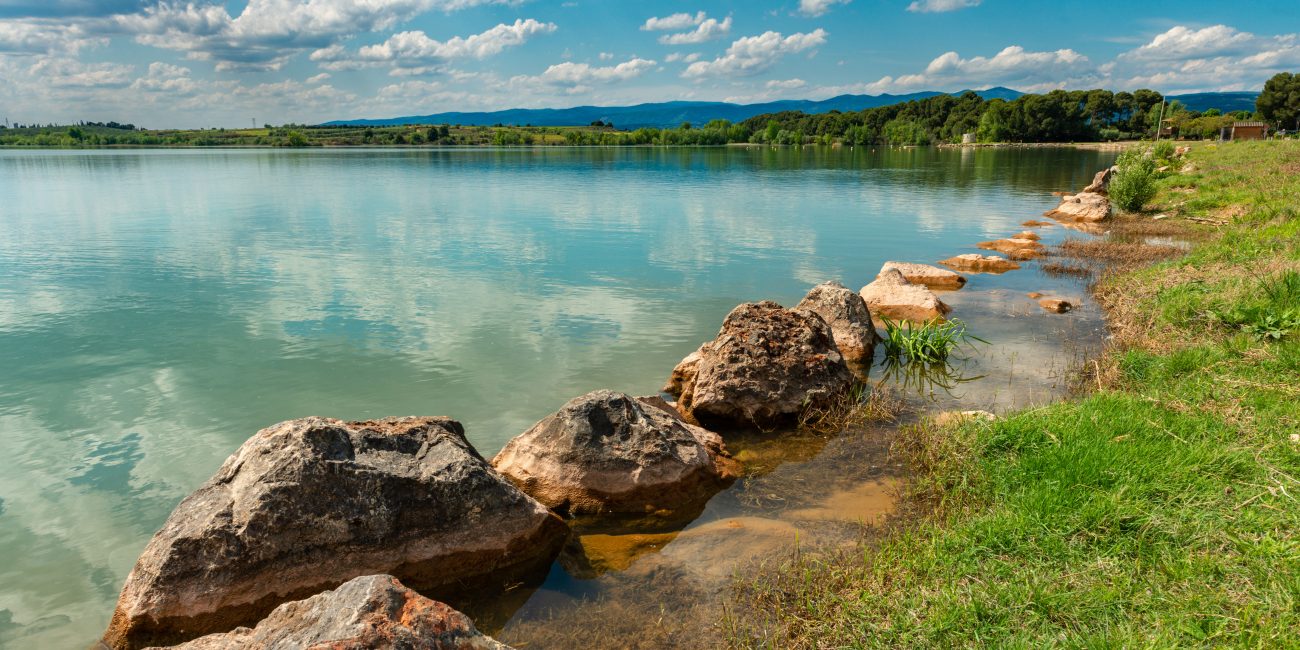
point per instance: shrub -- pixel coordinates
(1134, 182)
(1163, 150)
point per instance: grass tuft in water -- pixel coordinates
(929, 342)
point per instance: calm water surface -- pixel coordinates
(158, 307)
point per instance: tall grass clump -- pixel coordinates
(930, 342)
(1163, 150)
(1270, 313)
(1134, 182)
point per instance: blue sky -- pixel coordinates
(200, 64)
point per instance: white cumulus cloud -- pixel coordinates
(818, 7)
(940, 6)
(751, 55)
(710, 29)
(673, 22)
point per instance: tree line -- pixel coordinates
(1056, 116)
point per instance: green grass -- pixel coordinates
(1162, 511)
(930, 342)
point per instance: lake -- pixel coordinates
(159, 307)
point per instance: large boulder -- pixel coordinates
(608, 452)
(892, 296)
(308, 504)
(976, 263)
(924, 274)
(1087, 207)
(372, 612)
(768, 364)
(1101, 181)
(847, 314)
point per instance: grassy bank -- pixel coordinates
(1162, 509)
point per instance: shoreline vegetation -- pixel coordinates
(1055, 117)
(1157, 508)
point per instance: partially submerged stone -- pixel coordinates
(1027, 234)
(1034, 223)
(955, 418)
(930, 276)
(608, 452)
(371, 612)
(892, 296)
(306, 505)
(1088, 207)
(1055, 305)
(766, 365)
(848, 316)
(1015, 249)
(976, 263)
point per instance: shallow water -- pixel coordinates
(158, 307)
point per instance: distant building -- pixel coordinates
(1248, 131)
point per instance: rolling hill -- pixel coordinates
(671, 114)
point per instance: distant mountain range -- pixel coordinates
(670, 114)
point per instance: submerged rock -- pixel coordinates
(847, 314)
(767, 364)
(924, 274)
(1055, 305)
(1087, 207)
(308, 504)
(976, 263)
(371, 612)
(893, 297)
(609, 452)
(1027, 234)
(1034, 223)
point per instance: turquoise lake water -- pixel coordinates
(159, 307)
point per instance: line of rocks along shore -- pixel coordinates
(318, 532)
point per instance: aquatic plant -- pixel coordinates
(929, 342)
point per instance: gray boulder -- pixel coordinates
(847, 314)
(367, 613)
(767, 364)
(309, 504)
(608, 452)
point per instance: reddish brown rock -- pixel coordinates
(892, 296)
(1034, 295)
(1101, 181)
(368, 613)
(924, 274)
(1015, 249)
(306, 505)
(768, 364)
(1034, 223)
(976, 263)
(608, 452)
(1027, 234)
(847, 314)
(1055, 305)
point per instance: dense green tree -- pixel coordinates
(1279, 103)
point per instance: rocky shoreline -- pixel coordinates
(348, 534)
